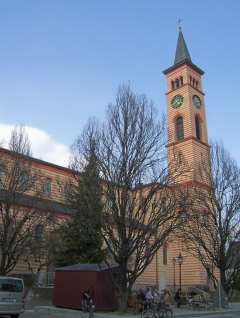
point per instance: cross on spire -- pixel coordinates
(179, 23)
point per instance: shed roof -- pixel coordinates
(87, 267)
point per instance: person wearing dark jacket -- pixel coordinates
(85, 296)
(177, 298)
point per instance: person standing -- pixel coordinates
(85, 296)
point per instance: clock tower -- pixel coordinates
(186, 118)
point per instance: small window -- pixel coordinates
(69, 191)
(165, 254)
(196, 84)
(24, 180)
(180, 133)
(173, 84)
(181, 80)
(177, 82)
(47, 187)
(197, 126)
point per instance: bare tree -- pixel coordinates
(213, 227)
(21, 205)
(19, 141)
(44, 248)
(130, 150)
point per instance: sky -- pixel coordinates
(61, 62)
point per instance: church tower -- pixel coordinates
(186, 118)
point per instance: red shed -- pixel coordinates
(71, 281)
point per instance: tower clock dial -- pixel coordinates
(177, 101)
(197, 101)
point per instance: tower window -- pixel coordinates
(177, 82)
(181, 80)
(180, 132)
(197, 126)
(173, 84)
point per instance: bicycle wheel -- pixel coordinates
(168, 312)
(147, 314)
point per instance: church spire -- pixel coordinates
(182, 53)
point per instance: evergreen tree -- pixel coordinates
(82, 238)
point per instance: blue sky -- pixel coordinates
(61, 61)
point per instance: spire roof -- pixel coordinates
(182, 50)
(182, 55)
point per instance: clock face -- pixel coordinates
(197, 101)
(177, 101)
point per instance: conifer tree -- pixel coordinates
(82, 240)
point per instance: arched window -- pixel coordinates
(108, 203)
(47, 187)
(180, 132)
(38, 232)
(196, 84)
(10, 229)
(165, 254)
(24, 180)
(183, 217)
(69, 191)
(1, 173)
(197, 126)
(177, 82)
(181, 80)
(173, 84)
(164, 205)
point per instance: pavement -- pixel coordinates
(45, 309)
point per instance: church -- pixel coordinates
(187, 132)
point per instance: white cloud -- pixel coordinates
(43, 146)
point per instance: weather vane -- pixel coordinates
(179, 23)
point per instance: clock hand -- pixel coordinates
(176, 101)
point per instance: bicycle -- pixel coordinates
(157, 310)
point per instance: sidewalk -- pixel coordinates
(231, 312)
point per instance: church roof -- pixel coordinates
(182, 55)
(182, 50)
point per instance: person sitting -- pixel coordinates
(155, 293)
(141, 297)
(149, 295)
(177, 297)
(166, 298)
(192, 293)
